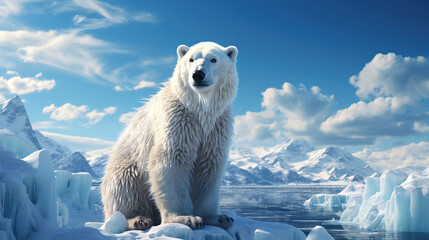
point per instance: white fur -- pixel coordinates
(169, 160)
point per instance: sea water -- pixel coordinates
(285, 204)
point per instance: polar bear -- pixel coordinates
(168, 163)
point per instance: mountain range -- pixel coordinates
(296, 161)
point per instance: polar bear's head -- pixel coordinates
(207, 67)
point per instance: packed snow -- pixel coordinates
(396, 201)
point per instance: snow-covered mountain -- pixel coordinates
(17, 135)
(332, 164)
(296, 161)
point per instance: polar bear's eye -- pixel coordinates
(191, 60)
(213, 60)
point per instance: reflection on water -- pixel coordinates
(285, 204)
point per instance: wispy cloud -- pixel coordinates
(158, 61)
(10, 7)
(69, 111)
(144, 84)
(109, 14)
(71, 51)
(144, 81)
(78, 143)
(95, 116)
(43, 125)
(23, 85)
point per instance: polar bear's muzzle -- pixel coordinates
(198, 77)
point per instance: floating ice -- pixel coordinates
(335, 201)
(319, 233)
(327, 201)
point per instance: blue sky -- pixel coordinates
(99, 59)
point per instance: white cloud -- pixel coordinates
(393, 75)
(381, 117)
(94, 116)
(66, 112)
(145, 17)
(394, 90)
(288, 112)
(416, 154)
(10, 72)
(23, 85)
(421, 127)
(77, 143)
(77, 19)
(260, 127)
(126, 117)
(299, 106)
(69, 111)
(118, 88)
(144, 84)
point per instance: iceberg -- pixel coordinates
(33, 196)
(396, 201)
(331, 202)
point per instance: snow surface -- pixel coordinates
(396, 201)
(242, 228)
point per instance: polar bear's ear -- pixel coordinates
(182, 50)
(232, 52)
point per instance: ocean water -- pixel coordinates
(285, 204)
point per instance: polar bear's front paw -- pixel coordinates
(190, 221)
(222, 221)
(139, 223)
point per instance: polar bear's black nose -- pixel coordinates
(198, 76)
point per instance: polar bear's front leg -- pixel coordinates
(170, 172)
(208, 173)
